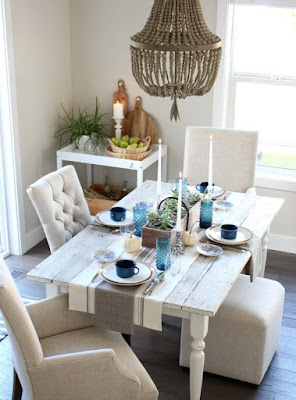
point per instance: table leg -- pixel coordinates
(264, 254)
(89, 175)
(52, 290)
(140, 177)
(59, 162)
(198, 331)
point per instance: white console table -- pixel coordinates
(71, 153)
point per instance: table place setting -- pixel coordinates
(123, 288)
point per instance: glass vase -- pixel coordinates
(184, 185)
(206, 213)
(163, 253)
(139, 219)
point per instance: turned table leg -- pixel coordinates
(198, 330)
(264, 254)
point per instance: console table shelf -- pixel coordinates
(71, 153)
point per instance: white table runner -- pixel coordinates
(147, 310)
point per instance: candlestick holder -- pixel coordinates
(118, 127)
(178, 249)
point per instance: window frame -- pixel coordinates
(225, 86)
(12, 209)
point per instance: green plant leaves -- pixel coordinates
(91, 125)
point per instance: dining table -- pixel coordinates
(200, 290)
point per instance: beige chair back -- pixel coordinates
(234, 157)
(61, 206)
(26, 348)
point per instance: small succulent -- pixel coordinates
(190, 199)
(166, 217)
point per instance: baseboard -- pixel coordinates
(287, 244)
(32, 238)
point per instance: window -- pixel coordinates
(259, 75)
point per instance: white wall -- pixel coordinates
(73, 49)
(41, 44)
(100, 40)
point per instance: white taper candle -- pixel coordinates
(158, 192)
(210, 179)
(178, 224)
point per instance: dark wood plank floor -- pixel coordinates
(159, 351)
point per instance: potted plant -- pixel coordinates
(87, 130)
(163, 223)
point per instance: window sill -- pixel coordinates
(277, 179)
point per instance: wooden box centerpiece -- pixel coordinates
(163, 223)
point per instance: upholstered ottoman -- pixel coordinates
(244, 334)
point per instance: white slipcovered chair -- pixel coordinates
(61, 206)
(59, 354)
(234, 155)
(244, 334)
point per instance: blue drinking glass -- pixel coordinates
(139, 219)
(206, 213)
(184, 185)
(163, 253)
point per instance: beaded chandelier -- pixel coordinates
(175, 55)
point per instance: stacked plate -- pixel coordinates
(146, 272)
(217, 192)
(243, 236)
(104, 218)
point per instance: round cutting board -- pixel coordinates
(138, 123)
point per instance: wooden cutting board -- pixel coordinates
(138, 123)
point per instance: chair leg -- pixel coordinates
(127, 338)
(17, 388)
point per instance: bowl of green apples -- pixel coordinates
(130, 145)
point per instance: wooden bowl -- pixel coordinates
(120, 150)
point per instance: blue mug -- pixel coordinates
(202, 186)
(117, 214)
(126, 268)
(229, 231)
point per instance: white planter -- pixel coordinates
(81, 143)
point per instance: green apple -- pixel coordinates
(134, 140)
(123, 144)
(125, 138)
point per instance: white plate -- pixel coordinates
(223, 205)
(104, 256)
(217, 192)
(209, 250)
(105, 219)
(243, 236)
(108, 273)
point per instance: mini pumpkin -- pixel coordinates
(189, 238)
(131, 244)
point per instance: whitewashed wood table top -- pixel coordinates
(207, 282)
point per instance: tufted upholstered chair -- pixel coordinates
(59, 354)
(60, 204)
(234, 155)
